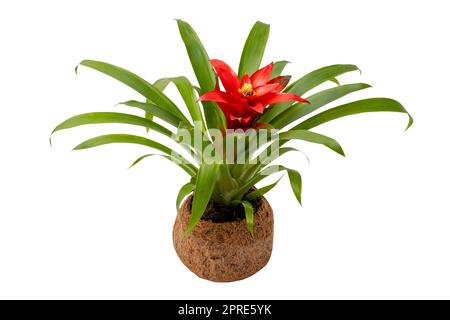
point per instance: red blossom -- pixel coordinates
(244, 100)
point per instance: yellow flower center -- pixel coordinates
(246, 90)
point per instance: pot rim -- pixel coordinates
(256, 211)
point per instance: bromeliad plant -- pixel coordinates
(253, 100)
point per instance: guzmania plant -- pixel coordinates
(254, 105)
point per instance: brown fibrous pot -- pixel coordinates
(224, 251)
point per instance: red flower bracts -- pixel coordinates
(245, 100)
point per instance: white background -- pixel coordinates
(375, 224)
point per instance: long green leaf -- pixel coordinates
(129, 138)
(184, 191)
(154, 110)
(204, 187)
(122, 138)
(137, 83)
(249, 216)
(278, 68)
(296, 183)
(240, 192)
(168, 117)
(294, 179)
(159, 84)
(260, 191)
(187, 92)
(317, 100)
(356, 107)
(306, 83)
(265, 159)
(254, 47)
(110, 117)
(271, 153)
(319, 76)
(269, 157)
(204, 73)
(214, 117)
(260, 176)
(149, 115)
(198, 57)
(312, 137)
(187, 167)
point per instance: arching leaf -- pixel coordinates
(317, 101)
(110, 117)
(187, 167)
(204, 187)
(204, 73)
(154, 110)
(190, 99)
(184, 191)
(312, 137)
(249, 215)
(129, 138)
(254, 47)
(260, 191)
(137, 83)
(278, 68)
(356, 107)
(306, 83)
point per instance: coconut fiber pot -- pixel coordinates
(224, 250)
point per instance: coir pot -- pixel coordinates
(224, 251)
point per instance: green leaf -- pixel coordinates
(160, 84)
(153, 110)
(335, 80)
(312, 137)
(296, 183)
(194, 141)
(317, 100)
(356, 107)
(266, 172)
(245, 171)
(198, 57)
(110, 117)
(278, 68)
(319, 76)
(122, 138)
(263, 160)
(137, 83)
(247, 184)
(128, 138)
(203, 71)
(148, 115)
(184, 191)
(249, 217)
(188, 94)
(306, 83)
(187, 167)
(214, 117)
(269, 157)
(261, 191)
(254, 47)
(204, 187)
(198, 90)
(294, 178)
